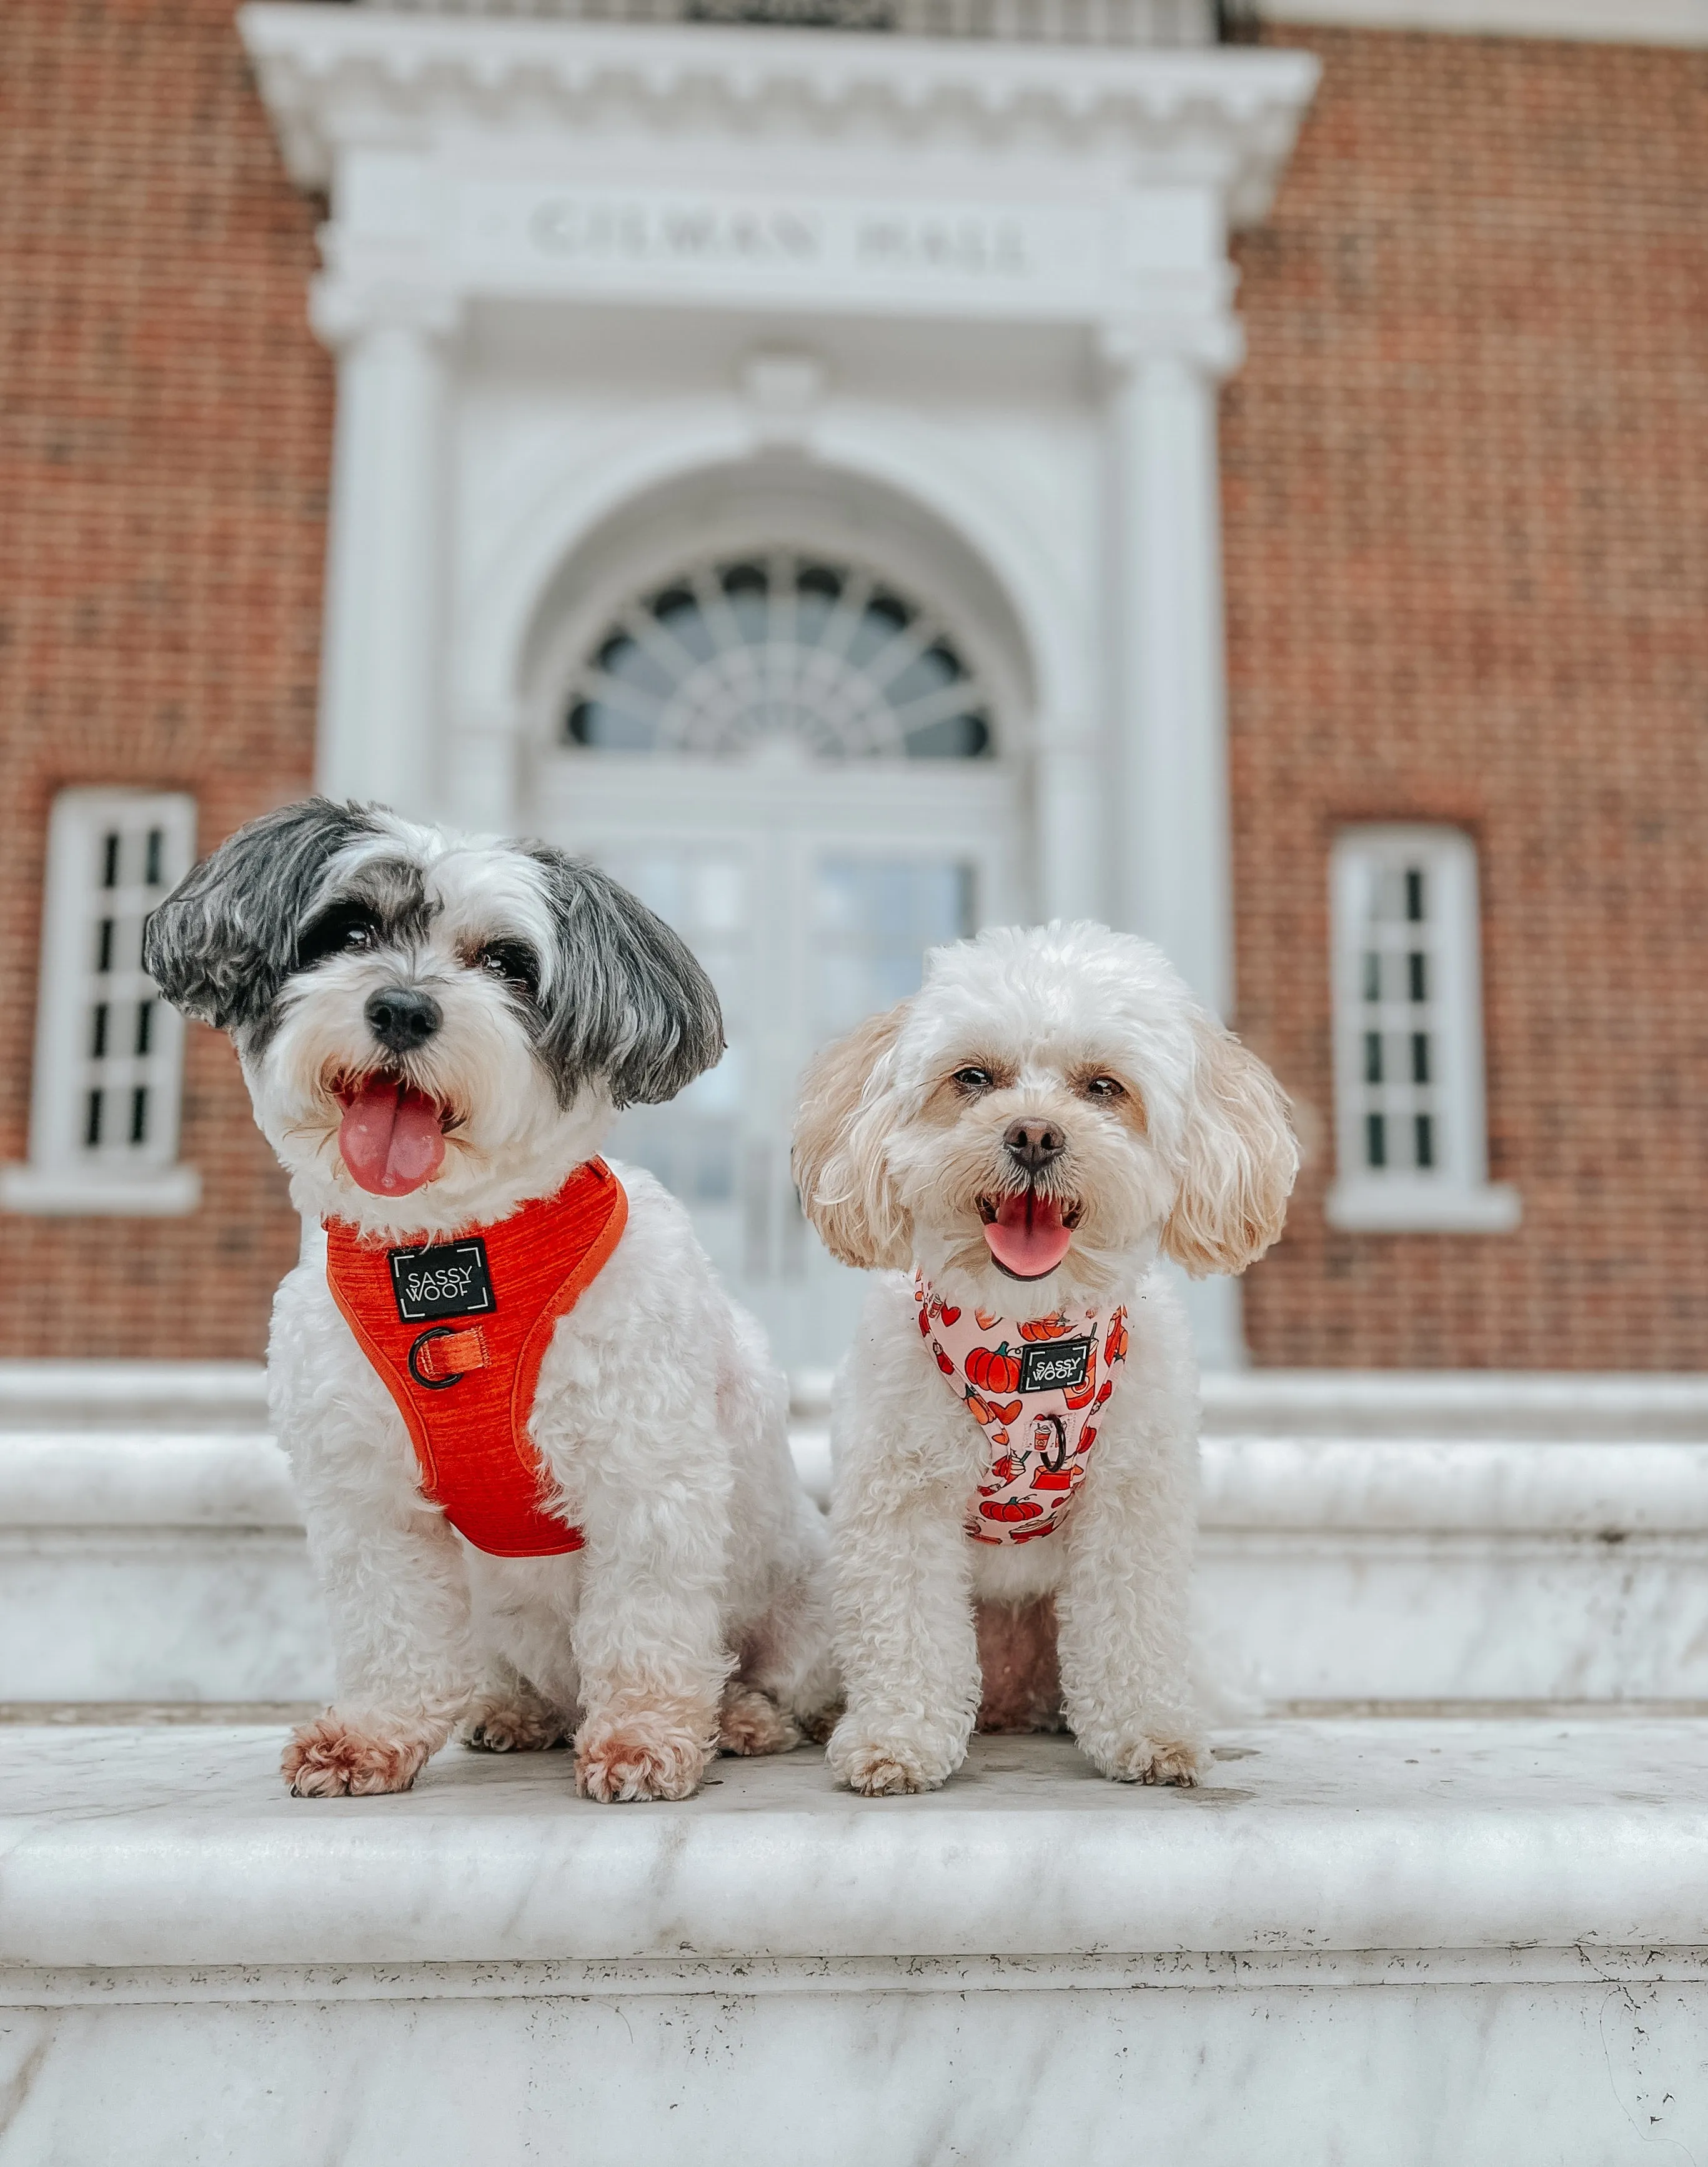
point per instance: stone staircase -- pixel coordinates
(1385, 1540)
(1445, 1898)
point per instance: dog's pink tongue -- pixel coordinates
(391, 1138)
(1027, 1236)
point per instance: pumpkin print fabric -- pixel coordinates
(1037, 1387)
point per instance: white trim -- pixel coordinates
(1410, 1134)
(1610, 22)
(109, 1051)
(1403, 1205)
(1118, 23)
(327, 74)
(49, 1190)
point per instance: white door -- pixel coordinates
(809, 873)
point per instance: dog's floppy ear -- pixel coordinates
(840, 1162)
(1240, 1158)
(224, 939)
(628, 1003)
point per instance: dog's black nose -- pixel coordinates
(1032, 1141)
(402, 1017)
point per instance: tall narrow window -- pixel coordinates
(1412, 1146)
(103, 1127)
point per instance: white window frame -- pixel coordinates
(1455, 1195)
(65, 1174)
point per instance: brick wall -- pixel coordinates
(164, 437)
(1467, 509)
(1467, 513)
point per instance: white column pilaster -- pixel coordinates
(1171, 850)
(381, 722)
(1068, 794)
(1172, 868)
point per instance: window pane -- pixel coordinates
(785, 652)
(1408, 1027)
(874, 918)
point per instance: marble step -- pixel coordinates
(1366, 1540)
(1423, 1944)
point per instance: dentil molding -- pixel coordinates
(334, 76)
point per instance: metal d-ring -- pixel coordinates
(433, 1384)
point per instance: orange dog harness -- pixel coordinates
(458, 1329)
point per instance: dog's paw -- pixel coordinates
(1141, 1758)
(881, 1760)
(330, 1759)
(750, 1721)
(654, 1751)
(816, 1727)
(518, 1727)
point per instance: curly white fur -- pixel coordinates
(1173, 1138)
(695, 1614)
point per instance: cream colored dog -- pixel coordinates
(1018, 1144)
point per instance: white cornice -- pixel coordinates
(1610, 22)
(331, 76)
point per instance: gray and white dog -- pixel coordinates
(436, 1031)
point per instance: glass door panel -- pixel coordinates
(697, 1145)
(872, 921)
(802, 941)
(810, 907)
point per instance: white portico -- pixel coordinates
(784, 462)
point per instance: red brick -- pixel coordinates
(1465, 496)
(165, 430)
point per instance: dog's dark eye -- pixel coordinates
(1104, 1087)
(513, 961)
(974, 1079)
(346, 930)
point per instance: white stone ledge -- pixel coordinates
(1545, 1404)
(156, 1395)
(133, 1479)
(136, 1849)
(765, 1978)
(138, 1480)
(1548, 1406)
(1497, 1486)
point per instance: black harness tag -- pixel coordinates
(1055, 1365)
(448, 1279)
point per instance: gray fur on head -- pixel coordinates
(632, 1006)
(225, 940)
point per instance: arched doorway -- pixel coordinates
(799, 747)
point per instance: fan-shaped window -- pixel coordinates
(779, 650)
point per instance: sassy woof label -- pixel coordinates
(451, 1278)
(1059, 1369)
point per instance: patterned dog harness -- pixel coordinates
(1033, 1388)
(458, 1329)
